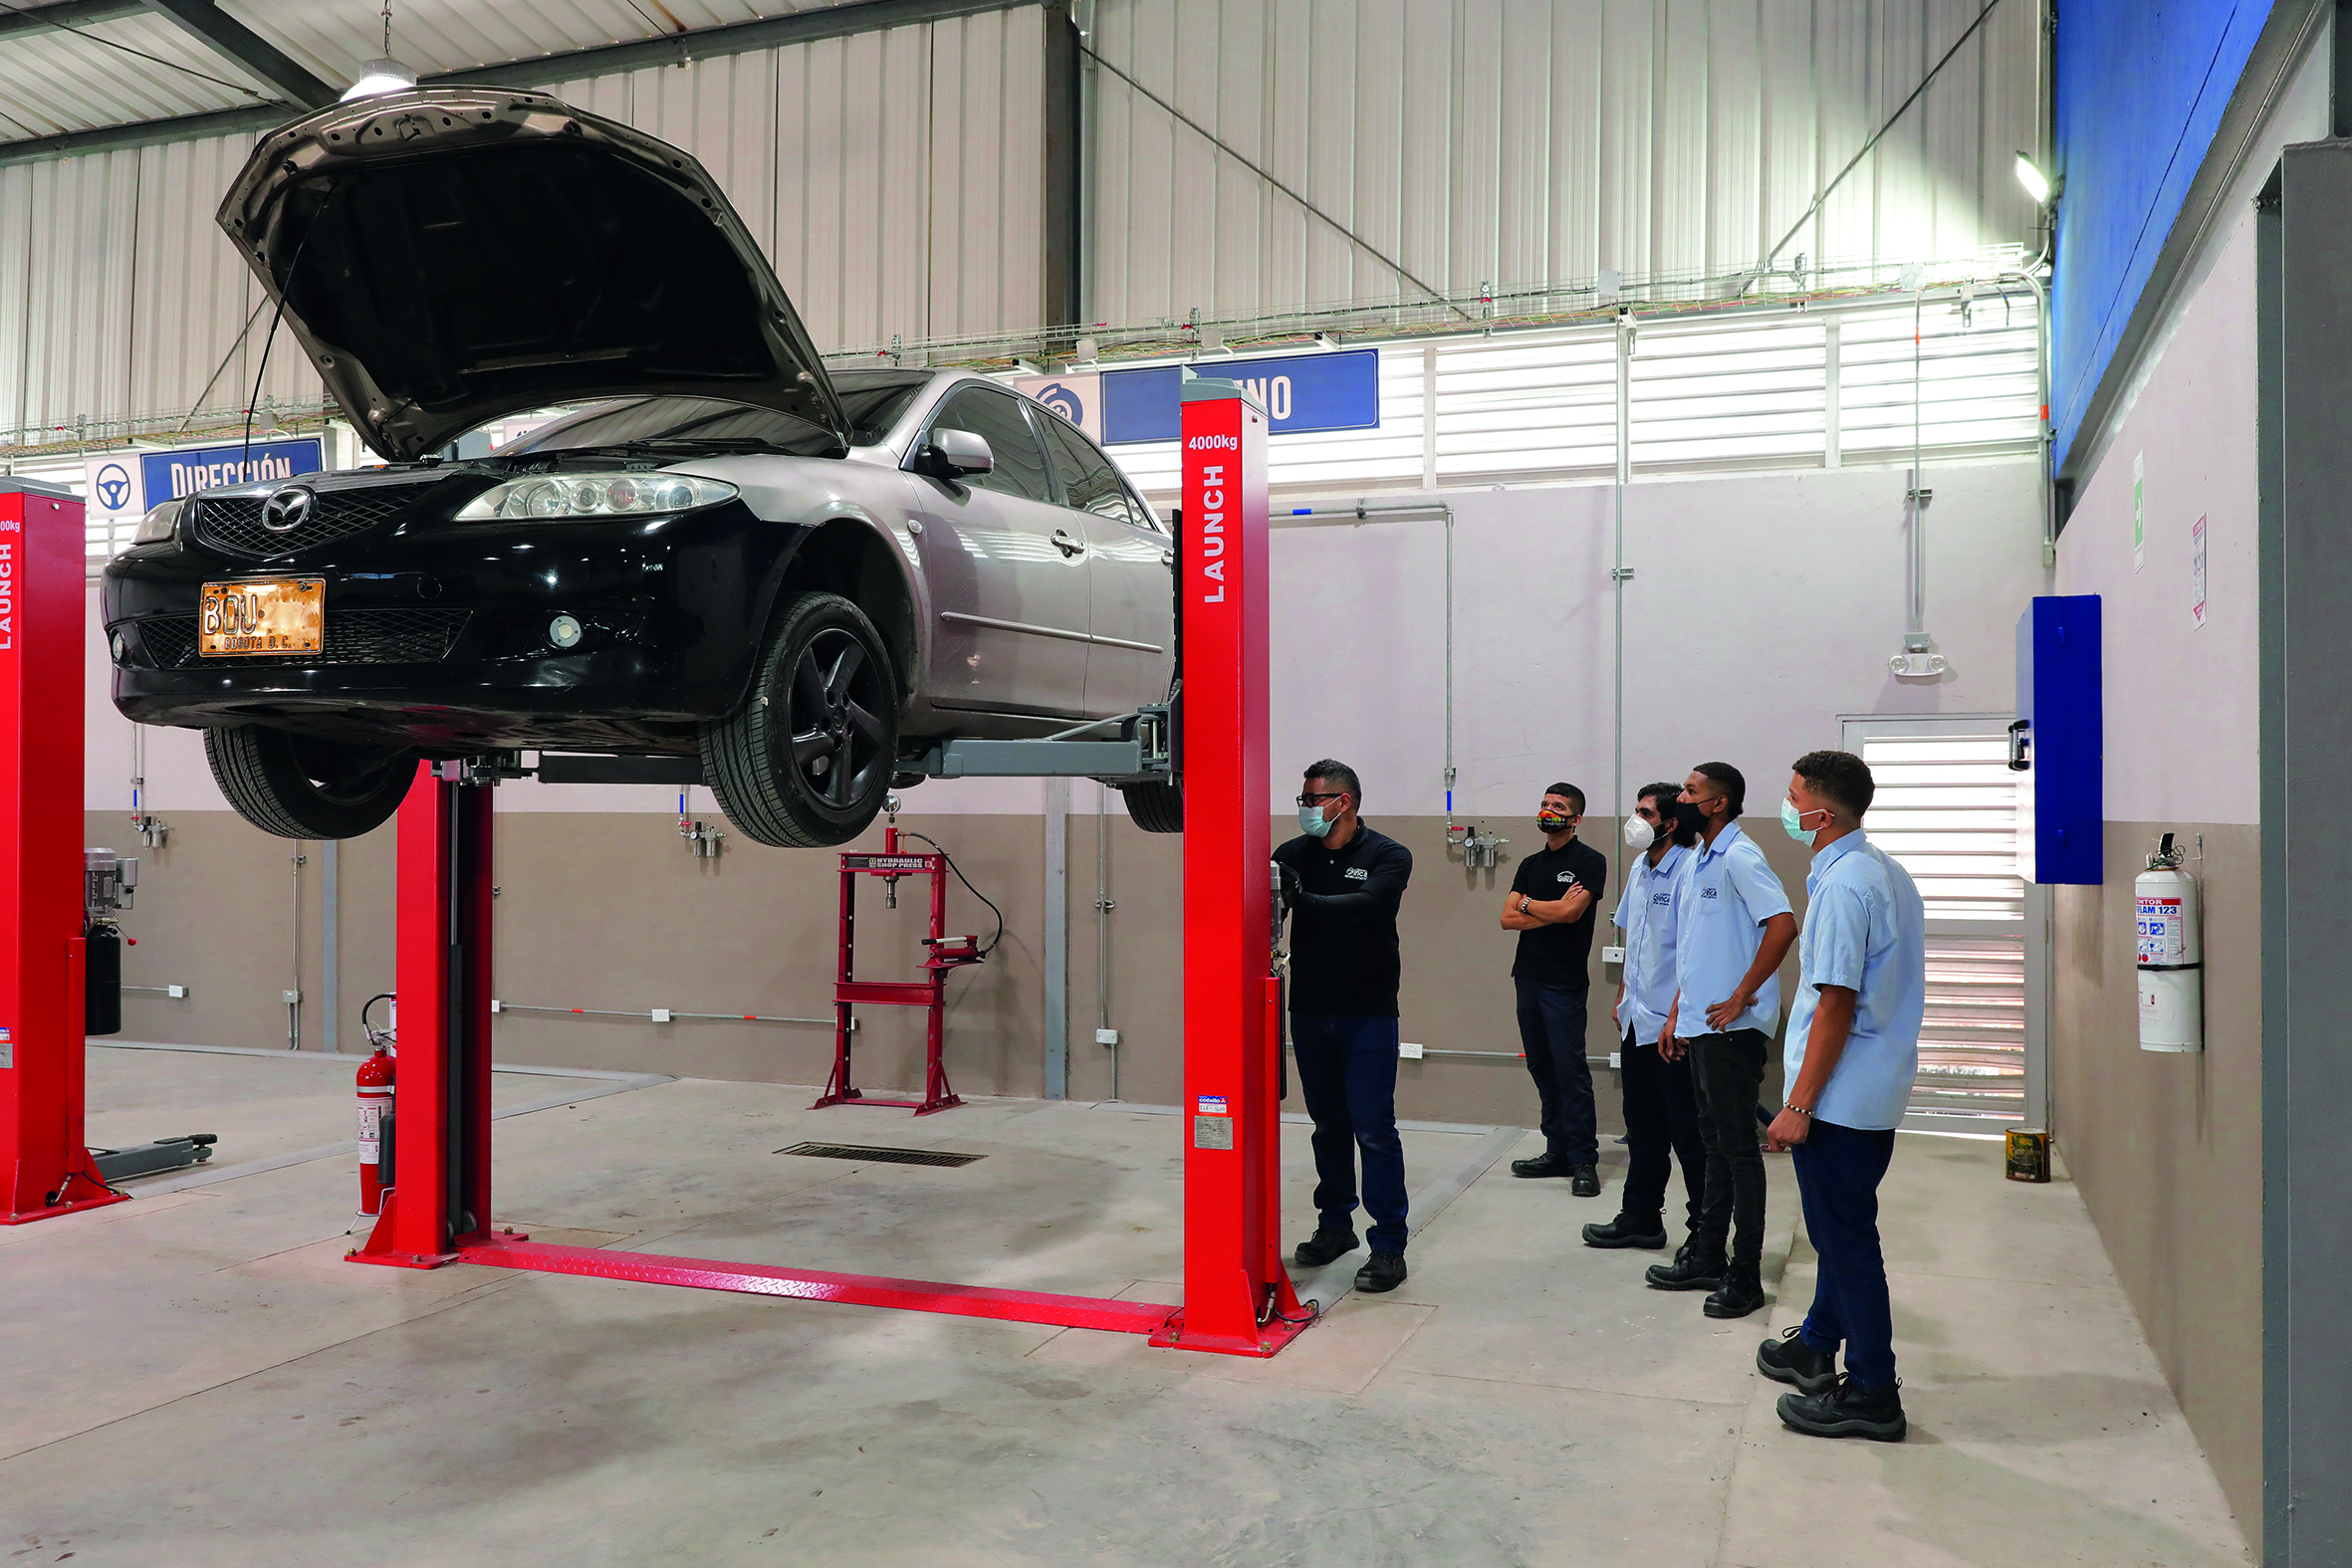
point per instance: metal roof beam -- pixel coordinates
(236, 41)
(143, 133)
(66, 13)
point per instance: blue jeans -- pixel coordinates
(1551, 1020)
(1348, 1073)
(1838, 1175)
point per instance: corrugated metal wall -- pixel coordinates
(1524, 142)
(895, 178)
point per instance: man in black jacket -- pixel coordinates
(1343, 882)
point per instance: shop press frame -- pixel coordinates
(1238, 1300)
(941, 958)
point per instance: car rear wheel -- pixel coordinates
(1155, 807)
(296, 786)
(807, 760)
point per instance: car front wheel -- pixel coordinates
(806, 762)
(299, 787)
(1155, 807)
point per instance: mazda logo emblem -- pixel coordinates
(285, 511)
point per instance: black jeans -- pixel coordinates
(1838, 1169)
(1726, 1070)
(1661, 1130)
(1551, 1023)
(1348, 1073)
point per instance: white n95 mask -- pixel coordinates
(1639, 834)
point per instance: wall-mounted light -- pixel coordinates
(2036, 183)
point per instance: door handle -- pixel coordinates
(1067, 546)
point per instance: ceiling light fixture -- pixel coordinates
(2036, 183)
(383, 74)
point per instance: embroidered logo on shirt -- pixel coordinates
(1661, 899)
(1358, 874)
(1709, 891)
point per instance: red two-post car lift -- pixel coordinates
(437, 1208)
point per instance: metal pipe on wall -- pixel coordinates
(329, 943)
(1057, 960)
(1103, 905)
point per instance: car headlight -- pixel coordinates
(595, 496)
(159, 524)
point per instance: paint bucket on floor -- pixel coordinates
(2029, 1154)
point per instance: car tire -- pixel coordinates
(299, 787)
(823, 692)
(1155, 807)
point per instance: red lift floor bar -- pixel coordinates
(802, 1284)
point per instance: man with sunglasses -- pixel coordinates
(1342, 884)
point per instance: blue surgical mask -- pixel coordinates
(1793, 824)
(1313, 824)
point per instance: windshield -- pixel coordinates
(874, 402)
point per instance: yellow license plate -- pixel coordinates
(265, 615)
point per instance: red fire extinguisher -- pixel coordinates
(376, 1117)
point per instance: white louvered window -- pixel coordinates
(1947, 811)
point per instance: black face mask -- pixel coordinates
(1689, 821)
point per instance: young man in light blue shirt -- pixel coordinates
(1852, 1051)
(1660, 1109)
(1732, 928)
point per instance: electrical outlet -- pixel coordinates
(661, 1015)
(290, 997)
(1106, 1036)
(176, 991)
(497, 1005)
(1618, 1058)
(1612, 955)
(1409, 1052)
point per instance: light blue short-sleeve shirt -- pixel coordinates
(1866, 930)
(1645, 913)
(1727, 895)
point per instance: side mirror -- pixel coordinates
(954, 454)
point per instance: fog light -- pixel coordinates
(564, 631)
(116, 643)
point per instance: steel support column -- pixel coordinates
(44, 1161)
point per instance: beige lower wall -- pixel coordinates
(2167, 1148)
(1456, 970)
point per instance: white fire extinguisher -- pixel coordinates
(2172, 955)
(375, 1116)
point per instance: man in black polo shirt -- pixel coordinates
(1343, 882)
(1551, 906)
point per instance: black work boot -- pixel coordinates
(1628, 1231)
(1324, 1245)
(1542, 1165)
(1585, 1180)
(1742, 1292)
(1789, 1359)
(1698, 1266)
(1847, 1409)
(1385, 1271)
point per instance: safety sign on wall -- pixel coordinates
(125, 484)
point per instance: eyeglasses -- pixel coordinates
(1318, 799)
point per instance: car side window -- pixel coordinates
(1145, 515)
(997, 419)
(1089, 482)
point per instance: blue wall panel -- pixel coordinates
(2141, 87)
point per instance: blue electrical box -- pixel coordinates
(2058, 741)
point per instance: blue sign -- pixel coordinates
(113, 487)
(170, 475)
(1302, 395)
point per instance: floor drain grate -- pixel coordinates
(880, 1156)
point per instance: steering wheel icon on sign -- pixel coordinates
(112, 485)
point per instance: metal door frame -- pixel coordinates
(1852, 730)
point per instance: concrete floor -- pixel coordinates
(196, 1377)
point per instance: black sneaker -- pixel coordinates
(1324, 1245)
(1585, 1182)
(1740, 1293)
(1789, 1359)
(1695, 1267)
(1542, 1165)
(1385, 1271)
(1847, 1409)
(1628, 1231)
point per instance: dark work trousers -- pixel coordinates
(1661, 1131)
(1838, 1175)
(1725, 1073)
(1552, 1020)
(1348, 1073)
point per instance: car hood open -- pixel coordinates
(448, 255)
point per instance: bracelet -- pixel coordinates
(1801, 1110)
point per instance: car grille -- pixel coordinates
(233, 522)
(356, 637)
